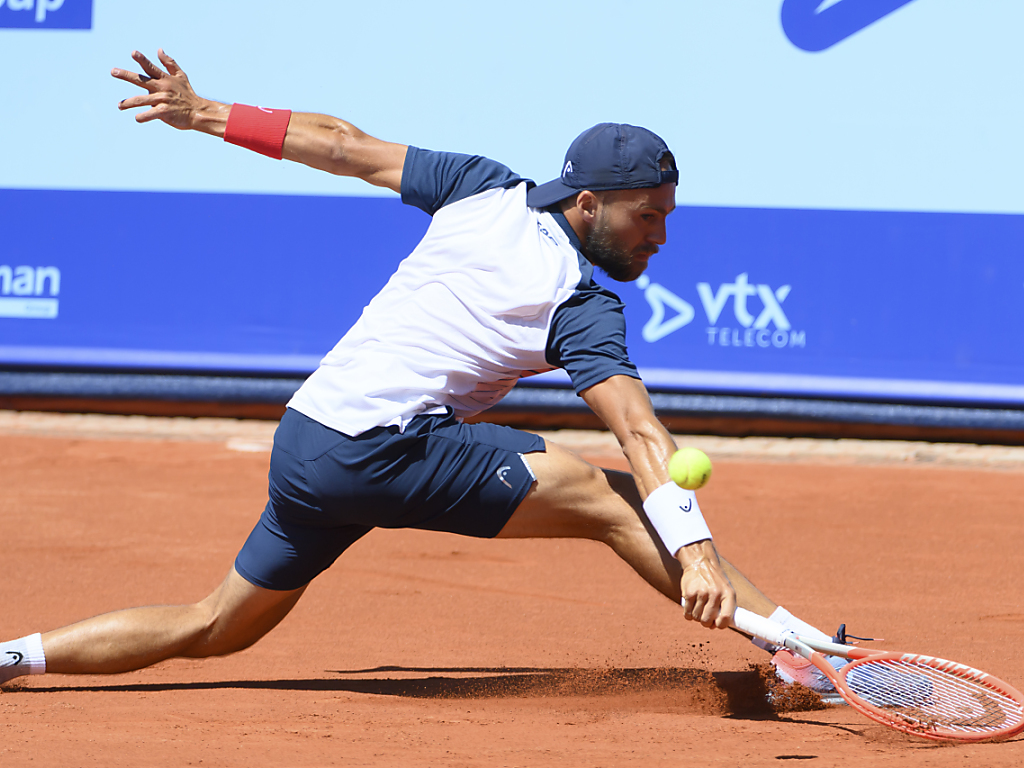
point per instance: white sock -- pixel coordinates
(22, 657)
(789, 621)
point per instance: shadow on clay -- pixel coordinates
(737, 694)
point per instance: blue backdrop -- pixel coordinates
(850, 204)
(834, 303)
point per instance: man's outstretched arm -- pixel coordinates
(623, 404)
(319, 141)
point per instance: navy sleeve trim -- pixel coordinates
(432, 180)
(588, 338)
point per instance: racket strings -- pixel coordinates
(924, 697)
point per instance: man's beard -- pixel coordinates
(606, 251)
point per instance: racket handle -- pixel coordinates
(760, 627)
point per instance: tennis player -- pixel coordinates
(500, 287)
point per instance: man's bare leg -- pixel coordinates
(232, 618)
(574, 499)
(571, 499)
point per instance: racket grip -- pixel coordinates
(759, 626)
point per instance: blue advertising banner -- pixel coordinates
(258, 283)
(862, 304)
(838, 303)
(46, 14)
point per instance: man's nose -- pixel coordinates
(658, 234)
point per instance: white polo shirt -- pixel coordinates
(495, 291)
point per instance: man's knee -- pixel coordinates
(219, 633)
(210, 629)
(238, 614)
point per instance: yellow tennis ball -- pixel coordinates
(689, 468)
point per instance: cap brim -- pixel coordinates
(548, 194)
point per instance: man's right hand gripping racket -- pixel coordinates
(920, 695)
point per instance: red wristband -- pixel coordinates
(257, 128)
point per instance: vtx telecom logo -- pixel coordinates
(814, 25)
(29, 292)
(46, 14)
(769, 328)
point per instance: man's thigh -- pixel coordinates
(573, 499)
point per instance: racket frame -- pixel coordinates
(814, 650)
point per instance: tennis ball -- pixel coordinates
(689, 468)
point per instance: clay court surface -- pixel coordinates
(429, 649)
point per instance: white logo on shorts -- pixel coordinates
(501, 475)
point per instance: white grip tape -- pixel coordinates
(759, 626)
(676, 516)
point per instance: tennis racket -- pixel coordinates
(920, 695)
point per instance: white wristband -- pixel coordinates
(676, 516)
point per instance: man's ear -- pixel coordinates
(587, 204)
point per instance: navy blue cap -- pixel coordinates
(607, 156)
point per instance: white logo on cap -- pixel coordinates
(568, 168)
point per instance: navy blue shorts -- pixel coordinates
(328, 489)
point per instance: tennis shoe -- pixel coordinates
(792, 669)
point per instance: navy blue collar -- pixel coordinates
(564, 224)
(586, 268)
